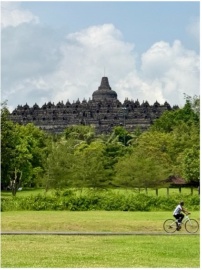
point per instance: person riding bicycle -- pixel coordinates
(178, 215)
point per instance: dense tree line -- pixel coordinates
(24, 150)
(81, 158)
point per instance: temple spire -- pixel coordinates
(104, 91)
(104, 84)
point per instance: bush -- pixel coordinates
(99, 200)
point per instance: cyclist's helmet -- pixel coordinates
(181, 203)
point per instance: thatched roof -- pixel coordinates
(175, 180)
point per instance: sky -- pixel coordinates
(59, 51)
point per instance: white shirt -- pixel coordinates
(177, 210)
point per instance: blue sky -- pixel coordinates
(58, 51)
(142, 23)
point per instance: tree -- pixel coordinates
(122, 135)
(183, 127)
(80, 133)
(157, 145)
(148, 163)
(89, 168)
(186, 139)
(23, 150)
(9, 138)
(32, 153)
(15, 181)
(170, 119)
(195, 103)
(60, 165)
(140, 170)
(113, 149)
(191, 165)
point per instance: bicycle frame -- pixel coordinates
(186, 217)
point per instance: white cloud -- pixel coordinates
(167, 72)
(43, 66)
(194, 28)
(175, 68)
(13, 15)
(84, 59)
(29, 53)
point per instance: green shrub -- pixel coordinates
(99, 200)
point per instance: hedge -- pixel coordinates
(95, 200)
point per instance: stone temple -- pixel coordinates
(104, 111)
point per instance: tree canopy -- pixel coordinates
(81, 158)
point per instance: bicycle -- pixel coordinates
(191, 225)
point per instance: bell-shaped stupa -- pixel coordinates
(104, 91)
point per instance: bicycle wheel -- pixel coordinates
(170, 226)
(191, 226)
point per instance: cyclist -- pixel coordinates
(178, 215)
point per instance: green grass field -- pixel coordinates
(85, 221)
(41, 251)
(100, 251)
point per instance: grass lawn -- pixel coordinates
(24, 192)
(85, 221)
(38, 251)
(101, 251)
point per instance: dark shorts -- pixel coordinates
(179, 217)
